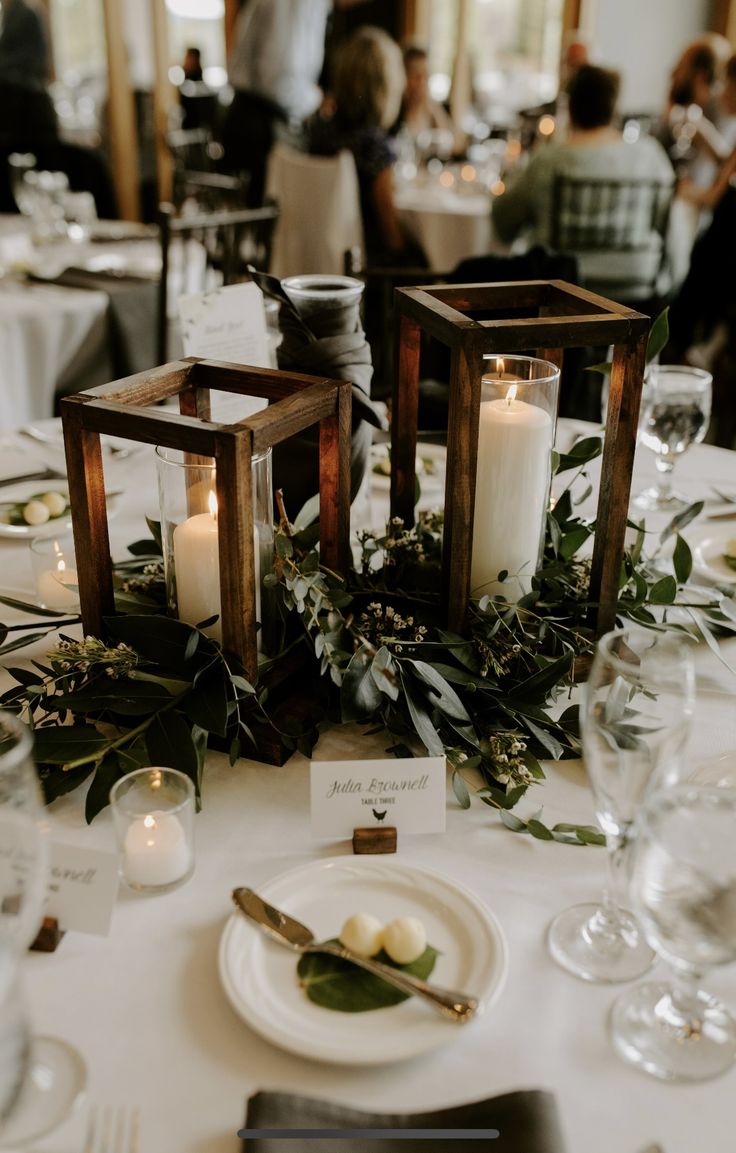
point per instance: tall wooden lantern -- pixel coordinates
(131, 408)
(545, 317)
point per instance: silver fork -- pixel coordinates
(113, 1130)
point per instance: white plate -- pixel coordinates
(53, 1087)
(260, 979)
(16, 493)
(708, 546)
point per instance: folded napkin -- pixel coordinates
(330, 343)
(522, 1122)
(132, 314)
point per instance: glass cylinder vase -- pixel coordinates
(516, 433)
(189, 536)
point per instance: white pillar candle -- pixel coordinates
(156, 851)
(511, 494)
(57, 588)
(197, 568)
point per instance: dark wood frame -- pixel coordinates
(296, 402)
(566, 317)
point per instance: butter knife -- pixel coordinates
(287, 931)
(40, 474)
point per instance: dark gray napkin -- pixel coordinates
(132, 316)
(330, 343)
(525, 1122)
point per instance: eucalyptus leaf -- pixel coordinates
(339, 985)
(460, 790)
(360, 696)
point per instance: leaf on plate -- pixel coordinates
(337, 984)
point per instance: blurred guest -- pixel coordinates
(27, 114)
(273, 68)
(692, 114)
(594, 149)
(192, 65)
(28, 121)
(419, 112)
(199, 103)
(367, 90)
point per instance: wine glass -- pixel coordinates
(635, 717)
(676, 403)
(40, 1078)
(683, 885)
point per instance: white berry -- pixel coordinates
(55, 502)
(36, 512)
(405, 939)
(362, 934)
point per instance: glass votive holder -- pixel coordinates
(330, 305)
(153, 815)
(55, 573)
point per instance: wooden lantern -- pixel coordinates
(564, 316)
(122, 409)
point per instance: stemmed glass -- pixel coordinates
(635, 717)
(683, 885)
(40, 1078)
(676, 404)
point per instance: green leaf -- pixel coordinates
(21, 642)
(124, 697)
(170, 744)
(36, 610)
(460, 790)
(443, 695)
(339, 985)
(383, 671)
(162, 640)
(682, 559)
(62, 744)
(573, 540)
(659, 334)
(423, 726)
(360, 696)
(663, 592)
(511, 822)
(308, 513)
(98, 795)
(206, 705)
(539, 830)
(681, 520)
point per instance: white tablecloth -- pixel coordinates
(146, 1009)
(449, 226)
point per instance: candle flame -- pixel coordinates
(500, 366)
(511, 394)
(212, 501)
(60, 566)
(149, 822)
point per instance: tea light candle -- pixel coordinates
(57, 588)
(511, 493)
(155, 850)
(197, 568)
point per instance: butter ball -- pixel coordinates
(35, 512)
(405, 939)
(362, 934)
(55, 502)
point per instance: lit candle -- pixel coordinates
(57, 588)
(155, 851)
(197, 568)
(511, 493)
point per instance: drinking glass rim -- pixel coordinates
(162, 449)
(700, 374)
(317, 282)
(679, 642)
(145, 810)
(552, 374)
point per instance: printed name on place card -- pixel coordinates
(407, 793)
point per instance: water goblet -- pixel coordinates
(683, 885)
(635, 717)
(676, 403)
(40, 1078)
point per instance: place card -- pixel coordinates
(82, 887)
(407, 793)
(226, 324)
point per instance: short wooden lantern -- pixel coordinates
(122, 409)
(562, 316)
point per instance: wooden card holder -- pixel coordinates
(48, 937)
(562, 316)
(127, 408)
(375, 840)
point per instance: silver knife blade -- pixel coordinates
(274, 921)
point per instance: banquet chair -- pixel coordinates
(206, 251)
(196, 175)
(319, 210)
(617, 229)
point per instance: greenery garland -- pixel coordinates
(157, 691)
